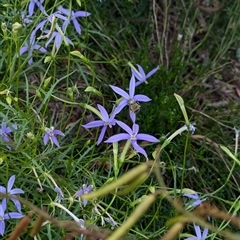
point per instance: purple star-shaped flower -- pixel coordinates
(106, 121)
(130, 98)
(73, 17)
(11, 191)
(5, 130)
(141, 75)
(133, 135)
(51, 135)
(58, 39)
(25, 19)
(30, 48)
(5, 216)
(195, 197)
(84, 190)
(49, 19)
(199, 234)
(32, 4)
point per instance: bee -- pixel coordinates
(134, 106)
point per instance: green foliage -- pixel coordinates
(51, 92)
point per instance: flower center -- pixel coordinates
(49, 131)
(108, 124)
(133, 105)
(133, 136)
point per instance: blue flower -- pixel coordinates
(11, 191)
(73, 17)
(30, 47)
(51, 135)
(141, 75)
(32, 4)
(5, 216)
(133, 136)
(25, 19)
(199, 234)
(49, 19)
(4, 131)
(58, 39)
(106, 121)
(129, 98)
(84, 190)
(195, 197)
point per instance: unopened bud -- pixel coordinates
(4, 29)
(15, 27)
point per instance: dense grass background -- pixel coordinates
(202, 67)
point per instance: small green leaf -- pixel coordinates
(182, 107)
(94, 110)
(79, 55)
(93, 90)
(231, 155)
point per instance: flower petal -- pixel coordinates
(138, 148)
(81, 14)
(79, 192)
(1, 211)
(120, 106)
(198, 231)
(46, 138)
(2, 227)
(4, 205)
(77, 26)
(8, 130)
(13, 215)
(10, 183)
(3, 126)
(132, 86)
(51, 38)
(2, 189)
(141, 71)
(40, 48)
(135, 128)
(137, 74)
(88, 188)
(141, 98)
(31, 8)
(58, 16)
(152, 72)
(55, 141)
(139, 83)
(193, 196)
(146, 137)
(196, 203)
(65, 11)
(17, 204)
(58, 132)
(16, 191)
(23, 49)
(205, 233)
(125, 127)
(101, 136)
(58, 40)
(105, 116)
(120, 92)
(94, 124)
(132, 116)
(118, 137)
(85, 201)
